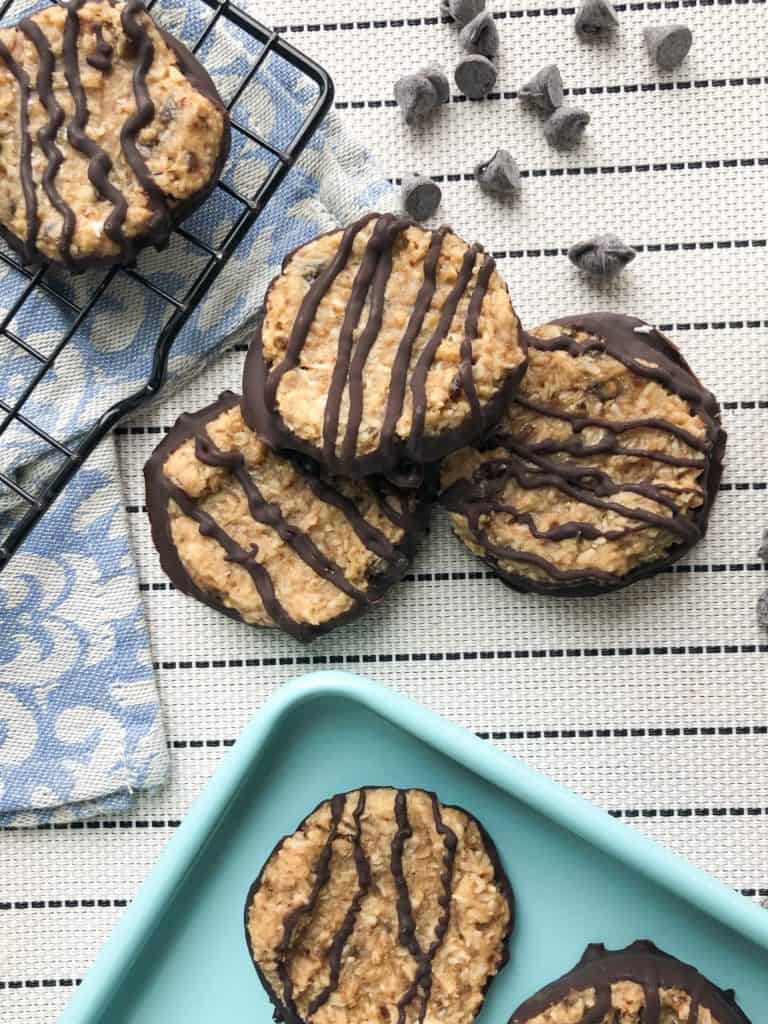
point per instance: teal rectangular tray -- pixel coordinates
(579, 876)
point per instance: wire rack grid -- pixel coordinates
(39, 284)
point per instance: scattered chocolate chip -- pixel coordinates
(462, 11)
(475, 76)
(193, 162)
(595, 18)
(668, 45)
(500, 174)
(565, 126)
(762, 610)
(544, 90)
(416, 96)
(601, 256)
(481, 35)
(421, 196)
(762, 551)
(439, 81)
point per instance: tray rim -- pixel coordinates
(506, 772)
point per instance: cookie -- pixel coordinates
(382, 344)
(111, 130)
(384, 905)
(604, 467)
(267, 539)
(636, 985)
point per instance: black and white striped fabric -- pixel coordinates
(651, 702)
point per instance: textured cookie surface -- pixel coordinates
(268, 540)
(604, 466)
(111, 132)
(382, 344)
(636, 985)
(385, 906)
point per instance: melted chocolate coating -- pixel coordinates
(650, 355)
(164, 215)
(160, 491)
(647, 966)
(261, 383)
(285, 1009)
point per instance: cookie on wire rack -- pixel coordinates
(270, 540)
(637, 985)
(382, 345)
(112, 132)
(604, 467)
(383, 905)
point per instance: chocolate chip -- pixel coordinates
(762, 610)
(167, 112)
(455, 390)
(762, 551)
(193, 162)
(439, 81)
(481, 35)
(602, 256)
(595, 18)
(544, 90)
(500, 174)
(421, 196)
(416, 96)
(668, 45)
(565, 126)
(475, 76)
(461, 11)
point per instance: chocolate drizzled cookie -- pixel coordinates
(111, 133)
(270, 540)
(384, 905)
(381, 345)
(604, 467)
(636, 985)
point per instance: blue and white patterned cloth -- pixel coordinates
(80, 720)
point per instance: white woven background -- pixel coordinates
(651, 702)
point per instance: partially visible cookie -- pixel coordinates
(636, 985)
(604, 467)
(270, 540)
(111, 133)
(384, 905)
(381, 345)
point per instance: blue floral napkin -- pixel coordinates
(80, 720)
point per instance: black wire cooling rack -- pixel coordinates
(39, 284)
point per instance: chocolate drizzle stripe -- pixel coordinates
(137, 32)
(368, 270)
(426, 357)
(269, 514)
(367, 339)
(450, 846)
(372, 537)
(466, 370)
(309, 307)
(406, 923)
(239, 556)
(401, 363)
(27, 179)
(101, 58)
(46, 136)
(322, 873)
(99, 162)
(340, 939)
(579, 423)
